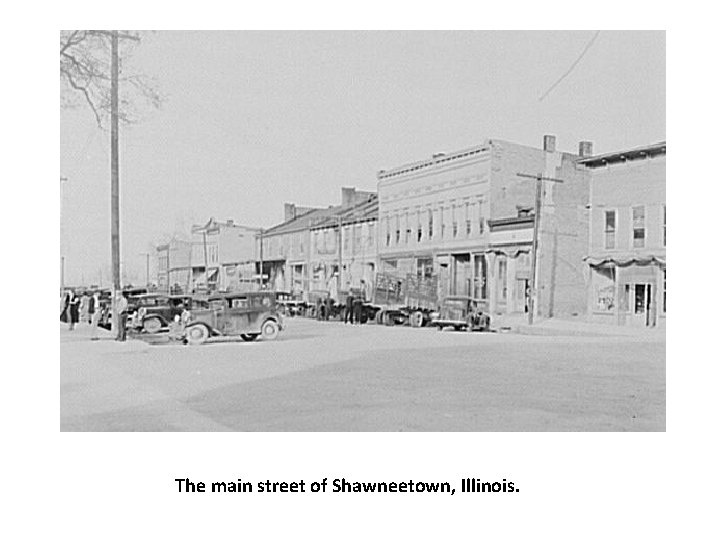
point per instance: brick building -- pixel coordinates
(626, 254)
(326, 249)
(467, 218)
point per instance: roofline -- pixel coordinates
(437, 158)
(654, 149)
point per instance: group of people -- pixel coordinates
(88, 308)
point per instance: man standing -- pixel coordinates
(122, 311)
(96, 310)
(349, 308)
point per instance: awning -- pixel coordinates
(511, 252)
(625, 260)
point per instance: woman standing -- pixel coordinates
(64, 307)
(74, 309)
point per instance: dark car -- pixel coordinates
(462, 313)
(249, 315)
(153, 312)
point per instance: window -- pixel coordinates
(468, 224)
(454, 222)
(371, 235)
(664, 230)
(430, 223)
(481, 219)
(442, 222)
(610, 229)
(502, 278)
(638, 215)
(419, 233)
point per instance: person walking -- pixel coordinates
(96, 314)
(349, 309)
(357, 310)
(74, 311)
(65, 307)
(122, 311)
(85, 307)
(92, 302)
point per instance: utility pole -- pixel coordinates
(262, 278)
(63, 179)
(114, 174)
(539, 179)
(207, 279)
(340, 266)
(147, 269)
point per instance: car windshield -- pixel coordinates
(217, 304)
(456, 304)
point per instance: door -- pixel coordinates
(639, 303)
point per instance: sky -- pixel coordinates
(253, 119)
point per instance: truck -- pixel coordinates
(409, 300)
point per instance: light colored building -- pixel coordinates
(322, 249)
(626, 255)
(230, 252)
(180, 265)
(467, 218)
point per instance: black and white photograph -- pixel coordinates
(362, 231)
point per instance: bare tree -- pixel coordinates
(85, 74)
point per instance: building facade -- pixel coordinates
(467, 218)
(181, 265)
(322, 249)
(229, 252)
(626, 254)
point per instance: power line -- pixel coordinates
(575, 63)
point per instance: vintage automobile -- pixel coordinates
(156, 311)
(461, 313)
(249, 315)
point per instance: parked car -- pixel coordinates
(461, 313)
(156, 311)
(249, 315)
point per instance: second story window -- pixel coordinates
(638, 220)
(610, 229)
(468, 223)
(430, 223)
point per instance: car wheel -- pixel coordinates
(416, 319)
(440, 327)
(270, 330)
(379, 317)
(197, 334)
(249, 337)
(152, 325)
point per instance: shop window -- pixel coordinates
(502, 278)
(610, 217)
(638, 215)
(604, 289)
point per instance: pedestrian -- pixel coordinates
(97, 312)
(349, 309)
(357, 310)
(92, 303)
(65, 307)
(121, 307)
(85, 307)
(74, 311)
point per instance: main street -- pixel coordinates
(331, 377)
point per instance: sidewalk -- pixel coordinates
(105, 342)
(517, 323)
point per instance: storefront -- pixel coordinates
(628, 291)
